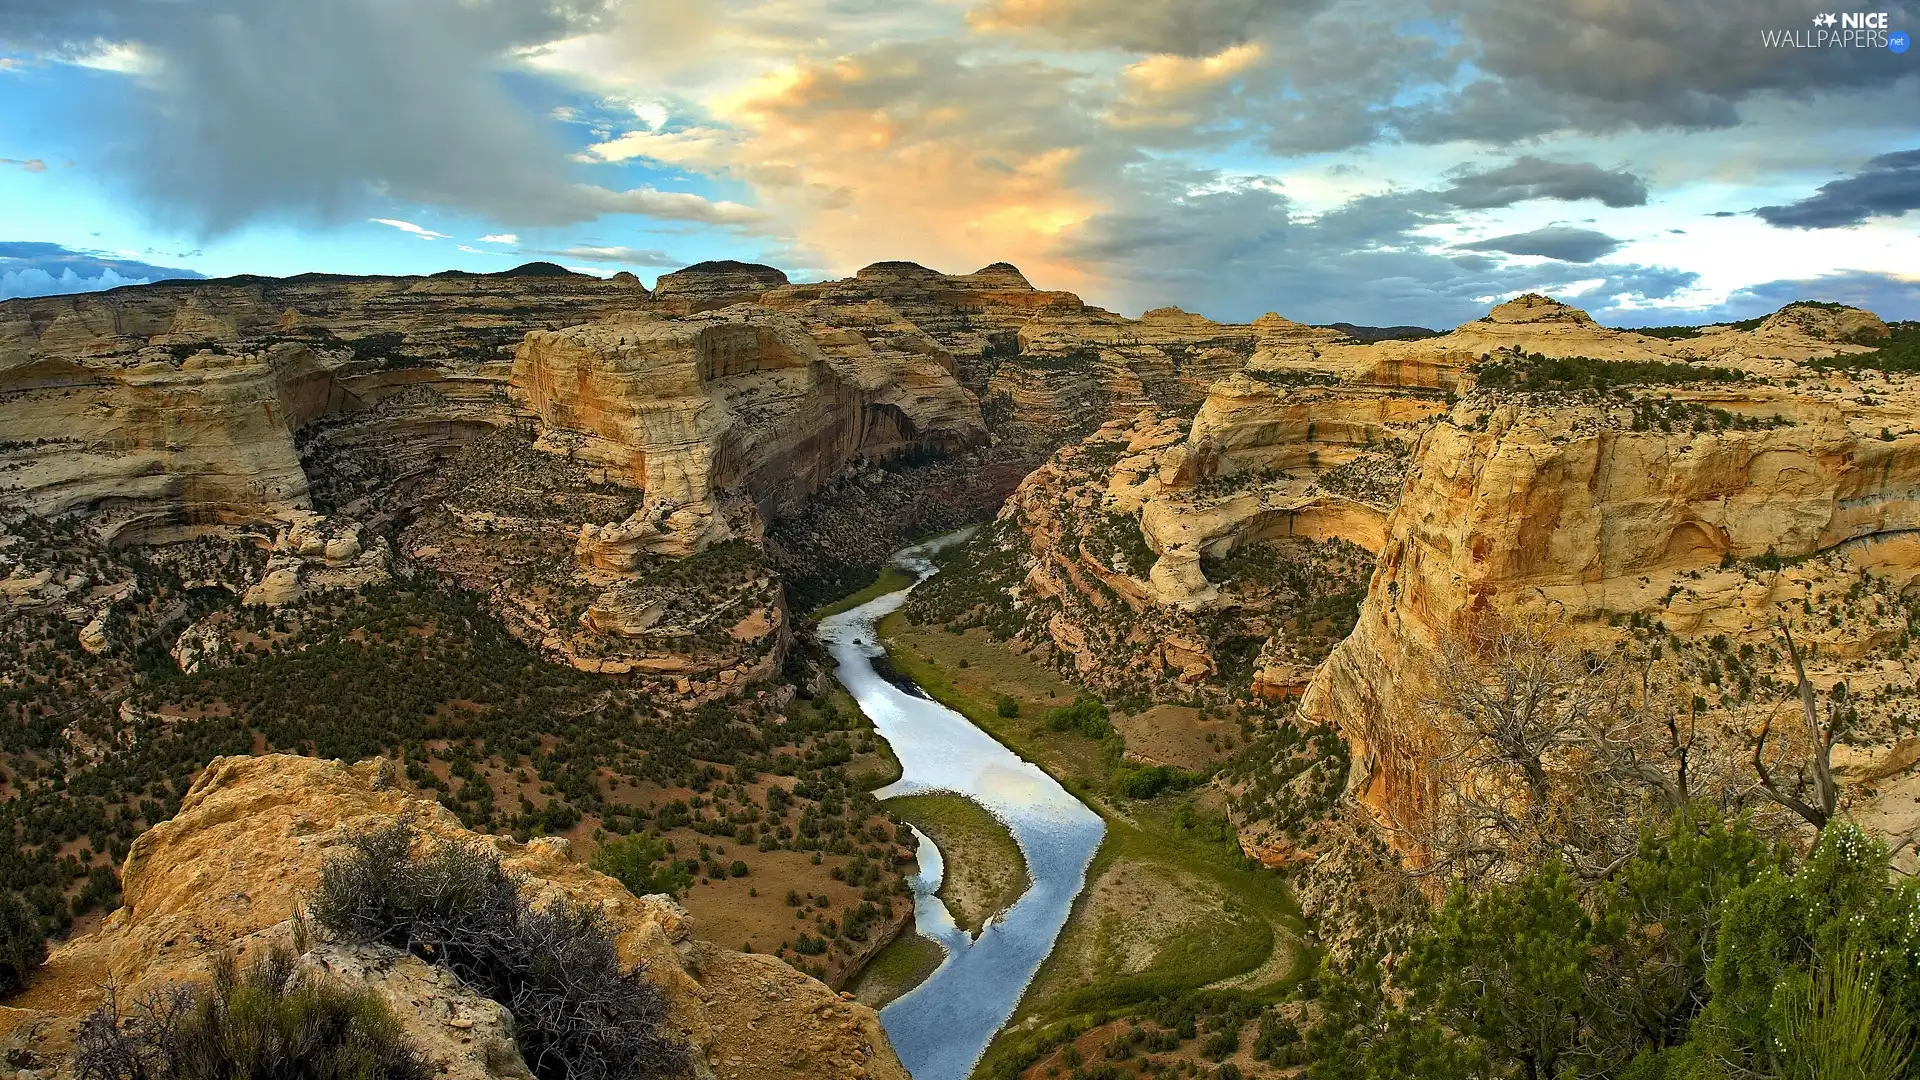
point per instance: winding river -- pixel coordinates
(941, 1027)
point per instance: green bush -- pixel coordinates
(579, 1014)
(23, 942)
(1147, 781)
(1087, 715)
(1836, 1024)
(1006, 707)
(642, 864)
(270, 1021)
(1535, 372)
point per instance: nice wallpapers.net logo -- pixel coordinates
(1843, 30)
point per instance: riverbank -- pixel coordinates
(890, 579)
(941, 1029)
(1172, 908)
(985, 870)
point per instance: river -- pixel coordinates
(942, 1026)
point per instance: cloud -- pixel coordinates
(669, 205)
(499, 238)
(624, 256)
(1177, 27)
(912, 150)
(1604, 66)
(1234, 251)
(1890, 296)
(33, 165)
(1887, 295)
(1888, 186)
(1527, 178)
(410, 227)
(1553, 242)
(250, 110)
(37, 269)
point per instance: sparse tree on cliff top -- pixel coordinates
(1546, 751)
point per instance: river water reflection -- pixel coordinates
(941, 1028)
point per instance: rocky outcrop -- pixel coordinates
(156, 447)
(170, 410)
(709, 285)
(1742, 508)
(974, 317)
(743, 402)
(231, 871)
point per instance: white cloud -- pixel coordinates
(499, 238)
(120, 58)
(672, 205)
(618, 255)
(651, 113)
(34, 281)
(410, 227)
(30, 165)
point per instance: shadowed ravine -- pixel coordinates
(942, 1027)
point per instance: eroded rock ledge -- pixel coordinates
(231, 870)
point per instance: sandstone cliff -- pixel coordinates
(232, 870)
(740, 401)
(594, 424)
(1153, 555)
(1516, 504)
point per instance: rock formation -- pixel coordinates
(741, 401)
(232, 870)
(1711, 510)
(1516, 504)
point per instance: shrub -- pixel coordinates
(1006, 707)
(23, 942)
(1534, 372)
(643, 865)
(1146, 781)
(579, 1015)
(271, 1020)
(1087, 715)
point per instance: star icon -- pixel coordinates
(1826, 20)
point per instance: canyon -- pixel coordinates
(1293, 526)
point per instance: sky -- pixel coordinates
(1369, 161)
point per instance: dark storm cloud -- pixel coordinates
(1527, 178)
(33, 269)
(263, 109)
(1887, 296)
(1883, 294)
(1888, 186)
(1238, 252)
(1553, 242)
(1182, 27)
(1643, 63)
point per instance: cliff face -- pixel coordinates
(232, 869)
(597, 429)
(168, 410)
(1517, 505)
(1157, 553)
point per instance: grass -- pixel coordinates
(1252, 952)
(905, 963)
(891, 579)
(985, 870)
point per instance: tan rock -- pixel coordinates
(234, 866)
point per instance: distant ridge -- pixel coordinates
(730, 266)
(1379, 333)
